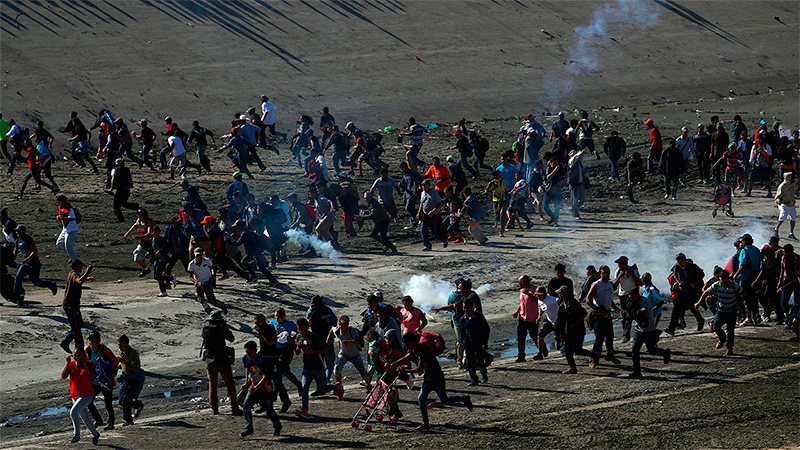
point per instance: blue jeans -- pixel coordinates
(465, 164)
(615, 169)
(263, 398)
(786, 295)
(588, 143)
(729, 320)
(318, 376)
(429, 386)
(339, 158)
(80, 412)
(31, 271)
(555, 198)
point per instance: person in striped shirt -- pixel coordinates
(730, 297)
(732, 160)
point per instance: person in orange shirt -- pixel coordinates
(439, 174)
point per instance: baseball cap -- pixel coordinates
(684, 128)
(263, 97)
(198, 251)
(378, 294)
(451, 158)
(142, 121)
(563, 290)
(680, 256)
(21, 227)
(621, 259)
(343, 174)
(141, 211)
(167, 119)
(119, 161)
(529, 117)
(207, 219)
(648, 122)
(237, 174)
(561, 113)
(349, 124)
(541, 290)
(215, 316)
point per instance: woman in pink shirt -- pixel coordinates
(527, 312)
(413, 319)
(80, 372)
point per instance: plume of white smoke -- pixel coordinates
(654, 252)
(429, 293)
(620, 17)
(304, 240)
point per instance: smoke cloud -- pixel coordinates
(621, 18)
(429, 293)
(655, 253)
(303, 239)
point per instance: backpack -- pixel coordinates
(105, 370)
(78, 215)
(372, 142)
(434, 341)
(575, 173)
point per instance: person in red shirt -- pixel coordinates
(80, 372)
(439, 174)
(656, 145)
(35, 169)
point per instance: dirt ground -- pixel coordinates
(700, 400)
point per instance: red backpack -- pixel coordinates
(434, 341)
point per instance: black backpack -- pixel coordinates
(373, 143)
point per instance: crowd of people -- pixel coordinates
(238, 236)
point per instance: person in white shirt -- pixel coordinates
(601, 302)
(202, 275)
(685, 144)
(178, 161)
(548, 315)
(626, 280)
(268, 117)
(67, 217)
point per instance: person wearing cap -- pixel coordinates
(614, 148)
(121, 185)
(457, 175)
(146, 138)
(688, 286)
(69, 231)
(31, 265)
(268, 116)
(656, 146)
(685, 144)
(570, 328)
(785, 198)
(415, 133)
(219, 358)
(626, 280)
(560, 125)
(761, 162)
(339, 146)
(237, 185)
(203, 276)
(702, 148)
(143, 225)
(546, 319)
(103, 383)
(239, 155)
(72, 304)
(380, 217)
(672, 165)
(730, 300)
(384, 188)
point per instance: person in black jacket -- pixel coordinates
(122, 182)
(615, 149)
(672, 165)
(570, 328)
(474, 341)
(218, 358)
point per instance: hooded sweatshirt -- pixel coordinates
(787, 191)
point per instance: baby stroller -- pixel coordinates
(723, 200)
(381, 402)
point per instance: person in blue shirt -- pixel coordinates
(286, 331)
(250, 133)
(749, 266)
(237, 185)
(240, 155)
(254, 252)
(507, 168)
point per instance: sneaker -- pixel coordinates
(468, 403)
(701, 324)
(95, 439)
(246, 432)
(613, 359)
(472, 383)
(635, 375)
(538, 357)
(277, 430)
(138, 411)
(669, 331)
(545, 351)
(444, 244)
(485, 379)
(626, 339)
(520, 359)
(767, 319)
(224, 277)
(317, 393)
(757, 320)
(570, 371)
(424, 427)
(458, 241)
(125, 423)
(666, 196)
(408, 228)
(426, 249)
(674, 196)
(668, 356)
(53, 289)
(237, 412)
(339, 391)
(174, 281)
(285, 407)
(144, 272)
(163, 294)
(791, 236)
(98, 423)
(109, 427)
(302, 413)
(75, 439)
